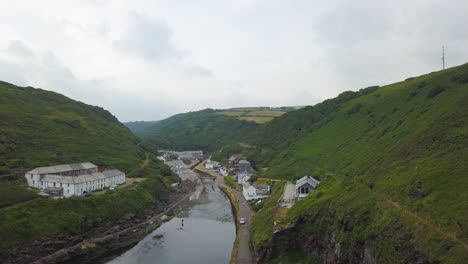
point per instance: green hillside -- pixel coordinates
(399, 159)
(204, 130)
(138, 127)
(40, 128)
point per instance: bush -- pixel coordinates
(436, 91)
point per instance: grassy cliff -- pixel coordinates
(40, 128)
(398, 155)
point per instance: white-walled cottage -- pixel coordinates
(304, 186)
(253, 192)
(73, 179)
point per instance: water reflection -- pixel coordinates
(202, 233)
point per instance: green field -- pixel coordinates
(259, 115)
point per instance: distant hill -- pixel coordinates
(138, 127)
(204, 130)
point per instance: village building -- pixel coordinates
(304, 186)
(243, 177)
(224, 171)
(179, 168)
(244, 167)
(209, 164)
(234, 160)
(254, 192)
(73, 179)
(187, 155)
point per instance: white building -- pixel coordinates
(224, 171)
(243, 178)
(253, 192)
(211, 164)
(304, 186)
(73, 179)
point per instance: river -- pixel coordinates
(207, 235)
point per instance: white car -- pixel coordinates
(113, 187)
(242, 221)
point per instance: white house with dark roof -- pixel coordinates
(253, 192)
(73, 179)
(304, 186)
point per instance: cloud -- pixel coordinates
(196, 71)
(18, 48)
(148, 60)
(148, 39)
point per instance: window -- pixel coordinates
(31, 176)
(34, 182)
(42, 183)
(68, 191)
(54, 184)
(68, 185)
(60, 184)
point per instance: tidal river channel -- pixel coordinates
(206, 236)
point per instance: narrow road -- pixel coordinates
(244, 254)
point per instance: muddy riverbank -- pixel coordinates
(92, 245)
(203, 231)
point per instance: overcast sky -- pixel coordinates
(147, 59)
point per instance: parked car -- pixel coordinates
(86, 194)
(242, 221)
(113, 187)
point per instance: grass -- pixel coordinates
(262, 227)
(13, 192)
(257, 119)
(398, 158)
(40, 128)
(258, 115)
(266, 113)
(230, 182)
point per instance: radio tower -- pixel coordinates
(443, 58)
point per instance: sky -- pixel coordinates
(150, 59)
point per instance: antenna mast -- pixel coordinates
(443, 58)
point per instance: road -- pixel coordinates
(244, 254)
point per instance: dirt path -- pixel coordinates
(245, 253)
(422, 221)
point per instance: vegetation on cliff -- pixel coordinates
(398, 155)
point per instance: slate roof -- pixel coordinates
(307, 179)
(112, 173)
(63, 168)
(262, 189)
(73, 179)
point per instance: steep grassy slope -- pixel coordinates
(399, 155)
(39, 128)
(203, 130)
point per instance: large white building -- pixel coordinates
(73, 179)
